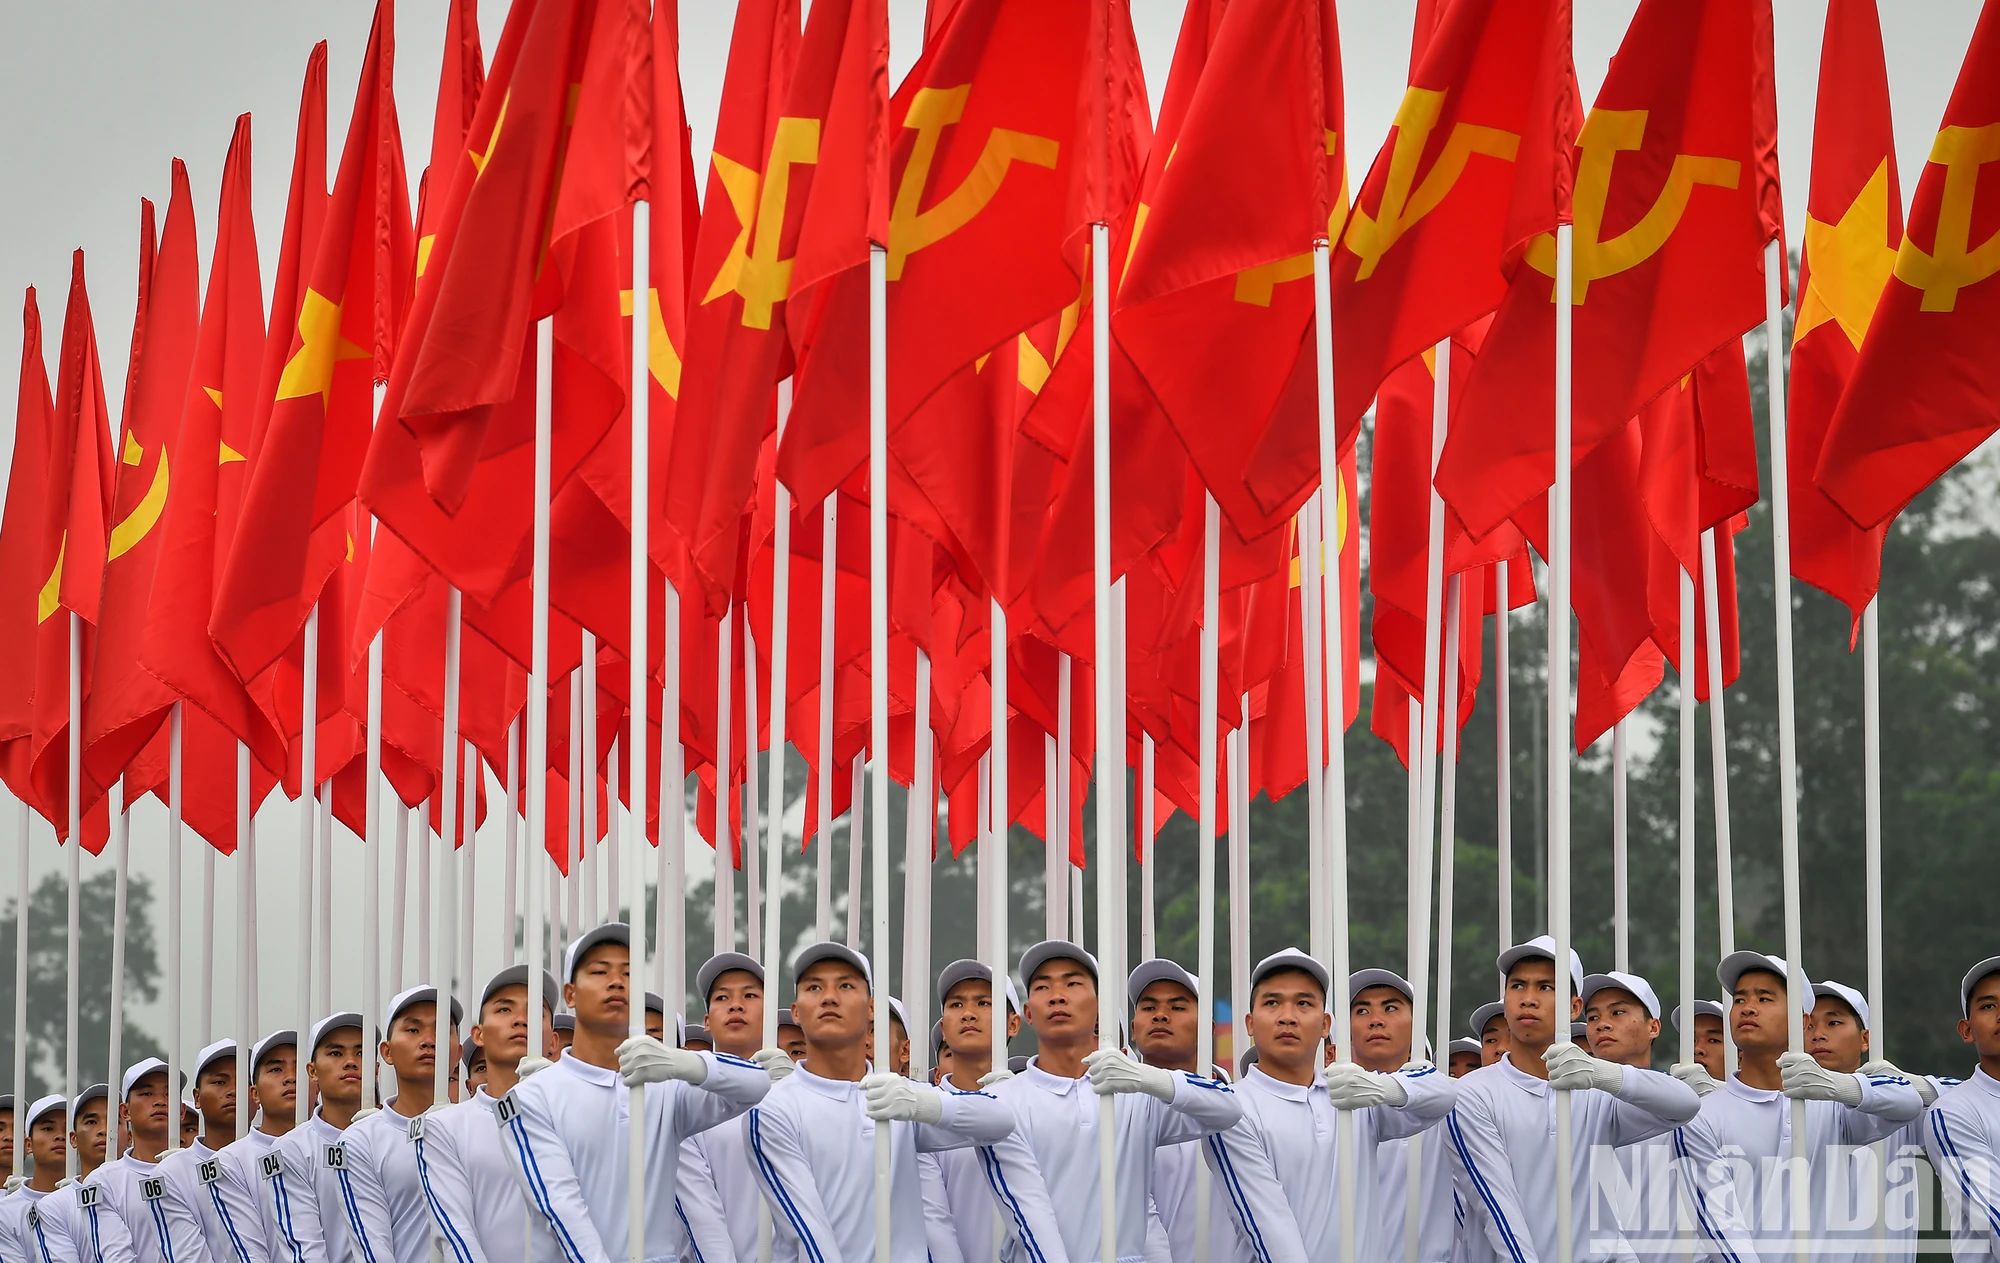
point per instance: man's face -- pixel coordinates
(1493, 1041)
(1836, 1039)
(1981, 1024)
(215, 1095)
(190, 1127)
(411, 1049)
(1379, 1024)
(1757, 1012)
(968, 1014)
(656, 1025)
(945, 1059)
(1530, 998)
(736, 1012)
(90, 1132)
(148, 1106)
(792, 1041)
(1166, 1024)
(475, 1078)
(565, 1036)
(1463, 1063)
(1062, 1002)
(601, 992)
(502, 1033)
(47, 1142)
(7, 1139)
(277, 1085)
(833, 1006)
(1619, 1028)
(1287, 1019)
(335, 1068)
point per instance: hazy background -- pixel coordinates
(99, 95)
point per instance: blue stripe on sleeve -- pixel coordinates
(997, 1178)
(1252, 1232)
(1485, 1190)
(459, 1249)
(770, 1174)
(532, 1171)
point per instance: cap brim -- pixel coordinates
(1149, 972)
(721, 963)
(610, 932)
(1055, 949)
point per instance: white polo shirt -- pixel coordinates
(192, 1176)
(387, 1219)
(239, 1191)
(303, 1198)
(1962, 1137)
(475, 1198)
(160, 1229)
(974, 1182)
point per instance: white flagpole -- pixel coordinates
(1621, 908)
(1503, 757)
(1311, 556)
(855, 851)
(209, 899)
(21, 825)
(1002, 808)
(878, 683)
(468, 812)
(614, 764)
(1149, 837)
(781, 638)
(581, 719)
(176, 966)
(1111, 986)
(752, 886)
(1055, 885)
(637, 685)
(426, 908)
(308, 864)
(586, 854)
(1334, 516)
(399, 904)
(371, 901)
(1871, 800)
(74, 943)
(1068, 876)
(1559, 717)
(308, 827)
(982, 864)
(536, 761)
(324, 950)
(511, 896)
(1788, 741)
(246, 925)
(1718, 755)
(670, 885)
(120, 845)
(446, 939)
(1237, 748)
(1447, 827)
(1424, 759)
(1685, 1051)
(823, 859)
(725, 845)
(917, 882)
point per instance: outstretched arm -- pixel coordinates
(540, 1160)
(1264, 1219)
(777, 1154)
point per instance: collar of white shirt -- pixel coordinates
(1985, 1081)
(599, 1075)
(1739, 1088)
(1278, 1087)
(833, 1089)
(1520, 1078)
(1053, 1084)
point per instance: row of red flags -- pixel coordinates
(375, 444)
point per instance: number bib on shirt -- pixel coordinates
(209, 1171)
(507, 1110)
(152, 1188)
(336, 1158)
(271, 1165)
(86, 1196)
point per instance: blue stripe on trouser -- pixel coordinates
(281, 1206)
(693, 1245)
(228, 1224)
(1707, 1221)
(354, 1216)
(778, 1189)
(1241, 1200)
(160, 1227)
(997, 1178)
(532, 1172)
(1485, 1191)
(459, 1249)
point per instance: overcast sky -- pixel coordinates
(99, 96)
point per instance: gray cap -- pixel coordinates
(967, 969)
(1017, 1064)
(137, 1071)
(1159, 969)
(896, 1009)
(1362, 979)
(213, 1053)
(1991, 965)
(1294, 959)
(1614, 980)
(1055, 949)
(517, 976)
(697, 1033)
(52, 1103)
(787, 1018)
(472, 1053)
(328, 1025)
(610, 932)
(1702, 1008)
(1247, 1060)
(1483, 1016)
(1463, 1045)
(564, 1021)
(721, 963)
(95, 1092)
(271, 1042)
(937, 1040)
(1847, 995)
(423, 993)
(1736, 964)
(655, 1003)
(1543, 946)
(813, 953)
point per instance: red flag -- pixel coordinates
(294, 531)
(1854, 222)
(461, 76)
(1921, 396)
(24, 570)
(1669, 254)
(1216, 304)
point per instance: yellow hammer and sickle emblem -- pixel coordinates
(1339, 540)
(662, 360)
(932, 110)
(752, 267)
(1371, 237)
(1954, 262)
(1256, 285)
(1606, 134)
(145, 514)
(51, 594)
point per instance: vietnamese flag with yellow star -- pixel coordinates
(24, 607)
(294, 529)
(461, 77)
(1854, 222)
(1926, 389)
(1672, 208)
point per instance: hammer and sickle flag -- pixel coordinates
(1674, 200)
(1217, 302)
(1926, 391)
(1854, 222)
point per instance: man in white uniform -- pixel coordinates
(129, 1186)
(243, 1163)
(1489, 1027)
(1708, 1037)
(192, 1173)
(1503, 1129)
(1380, 1018)
(379, 1184)
(1279, 1165)
(567, 1129)
(302, 1193)
(716, 1163)
(21, 1235)
(1057, 1112)
(71, 1225)
(813, 1139)
(1962, 1131)
(1166, 1022)
(475, 1199)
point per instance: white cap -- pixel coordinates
(1158, 969)
(517, 976)
(53, 1102)
(1463, 1045)
(1736, 964)
(610, 932)
(423, 993)
(1483, 1016)
(813, 953)
(264, 1046)
(693, 1033)
(1702, 1008)
(1543, 946)
(95, 1092)
(967, 969)
(1290, 958)
(1847, 995)
(214, 1052)
(786, 1018)
(1973, 976)
(1055, 949)
(896, 1008)
(655, 1003)
(1614, 980)
(1362, 979)
(328, 1025)
(139, 1070)
(721, 963)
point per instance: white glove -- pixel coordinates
(532, 1065)
(776, 1062)
(894, 1099)
(1573, 1070)
(992, 1077)
(644, 1059)
(1113, 1073)
(1695, 1075)
(15, 1181)
(1351, 1087)
(363, 1113)
(1806, 1080)
(1925, 1088)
